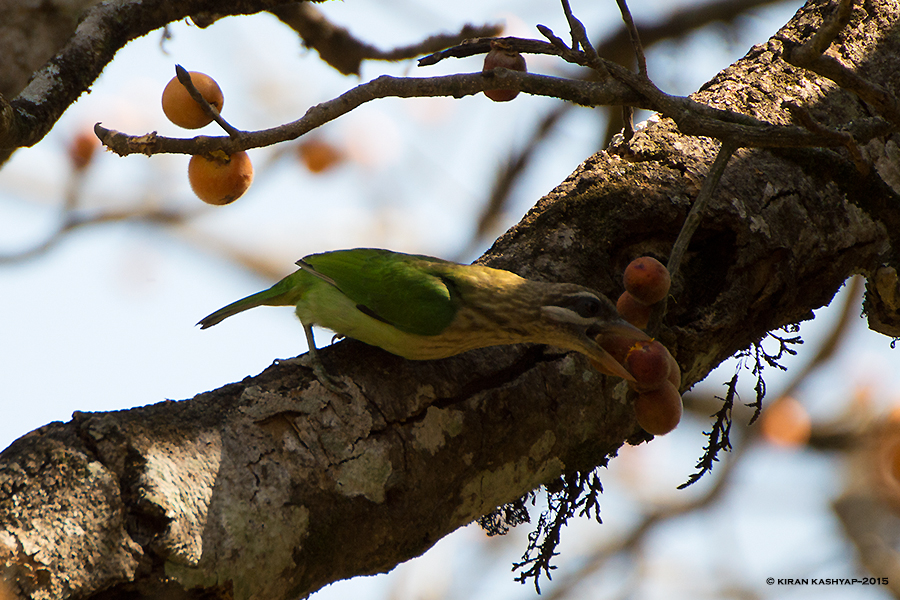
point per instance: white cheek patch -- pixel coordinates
(558, 314)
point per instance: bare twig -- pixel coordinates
(727, 149)
(635, 38)
(340, 49)
(811, 55)
(803, 116)
(74, 221)
(580, 38)
(691, 222)
(627, 122)
(474, 46)
(586, 93)
(551, 37)
(185, 79)
(576, 29)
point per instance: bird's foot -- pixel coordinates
(311, 361)
(312, 357)
(328, 381)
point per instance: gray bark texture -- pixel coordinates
(273, 487)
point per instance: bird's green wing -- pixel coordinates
(404, 290)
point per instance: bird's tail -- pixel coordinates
(286, 292)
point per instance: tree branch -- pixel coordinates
(340, 49)
(457, 86)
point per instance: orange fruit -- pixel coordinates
(647, 280)
(659, 411)
(785, 422)
(183, 110)
(82, 148)
(220, 181)
(318, 155)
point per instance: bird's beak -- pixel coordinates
(611, 345)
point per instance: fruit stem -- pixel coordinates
(185, 79)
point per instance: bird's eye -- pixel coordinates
(586, 306)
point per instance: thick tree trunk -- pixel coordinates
(274, 486)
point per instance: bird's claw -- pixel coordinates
(326, 380)
(313, 362)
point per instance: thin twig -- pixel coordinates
(573, 28)
(627, 122)
(811, 55)
(185, 79)
(635, 38)
(554, 40)
(579, 92)
(830, 28)
(692, 221)
(580, 38)
(345, 52)
(727, 149)
(74, 221)
(803, 116)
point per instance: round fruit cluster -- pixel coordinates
(216, 179)
(657, 406)
(647, 282)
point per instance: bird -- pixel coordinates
(426, 308)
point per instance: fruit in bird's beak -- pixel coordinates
(617, 339)
(656, 377)
(183, 110)
(500, 56)
(220, 181)
(659, 411)
(648, 362)
(647, 280)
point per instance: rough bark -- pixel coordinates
(274, 487)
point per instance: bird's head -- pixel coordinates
(573, 317)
